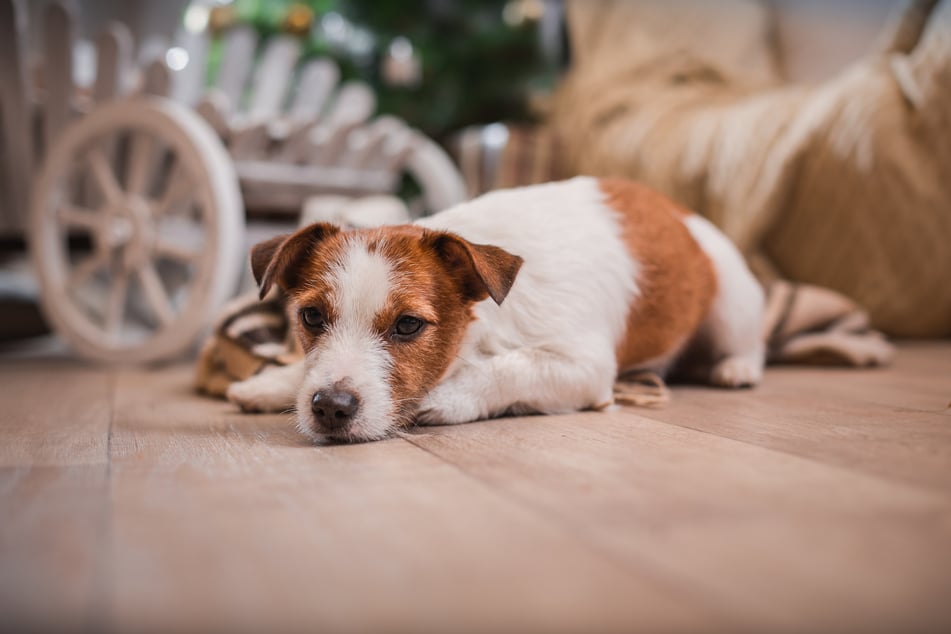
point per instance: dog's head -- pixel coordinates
(380, 314)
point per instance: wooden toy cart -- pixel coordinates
(133, 190)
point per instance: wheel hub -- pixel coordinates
(127, 229)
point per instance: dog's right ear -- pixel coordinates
(482, 270)
(278, 261)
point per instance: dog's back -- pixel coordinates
(572, 295)
(613, 270)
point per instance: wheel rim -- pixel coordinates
(136, 230)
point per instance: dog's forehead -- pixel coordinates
(360, 280)
(363, 273)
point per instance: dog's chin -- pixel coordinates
(354, 435)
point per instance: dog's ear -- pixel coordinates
(482, 269)
(278, 261)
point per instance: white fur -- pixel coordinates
(273, 390)
(550, 346)
(351, 351)
(733, 329)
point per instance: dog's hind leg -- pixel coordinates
(732, 332)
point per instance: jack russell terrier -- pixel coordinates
(529, 300)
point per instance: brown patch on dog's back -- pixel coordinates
(676, 279)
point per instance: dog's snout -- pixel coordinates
(334, 407)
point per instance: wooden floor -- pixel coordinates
(819, 502)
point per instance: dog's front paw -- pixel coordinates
(259, 394)
(448, 405)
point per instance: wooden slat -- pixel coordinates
(272, 77)
(142, 162)
(52, 547)
(225, 522)
(872, 421)
(397, 147)
(441, 182)
(58, 70)
(215, 109)
(925, 357)
(326, 143)
(236, 60)
(249, 140)
(366, 144)
(157, 79)
(921, 392)
(53, 495)
(318, 78)
(354, 104)
(919, 378)
(54, 414)
(16, 119)
(783, 542)
(113, 58)
(129, 503)
(189, 83)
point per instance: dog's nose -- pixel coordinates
(334, 408)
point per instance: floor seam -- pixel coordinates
(102, 622)
(944, 496)
(665, 583)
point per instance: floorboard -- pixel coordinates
(723, 518)
(863, 420)
(239, 524)
(54, 498)
(818, 502)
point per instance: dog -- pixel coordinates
(529, 300)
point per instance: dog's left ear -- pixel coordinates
(482, 269)
(280, 259)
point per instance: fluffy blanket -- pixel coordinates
(842, 185)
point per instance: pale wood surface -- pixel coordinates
(59, 23)
(15, 117)
(236, 63)
(819, 502)
(113, 61)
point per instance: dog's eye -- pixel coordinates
(407, 326)
(312, 318)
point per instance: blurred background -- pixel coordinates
(480, 61)
(815, 133)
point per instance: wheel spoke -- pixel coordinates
(140, 162)
(165, 248)
(155, 293)
(85, 269)
(104, 176)
(178, 190)
(78, 217)
(115, 311)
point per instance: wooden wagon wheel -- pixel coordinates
(136, 230)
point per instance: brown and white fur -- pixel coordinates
(584, 279)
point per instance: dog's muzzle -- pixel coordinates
(334, 408)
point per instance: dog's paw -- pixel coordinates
(448, 405)
(740, 371)
(259, 394)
